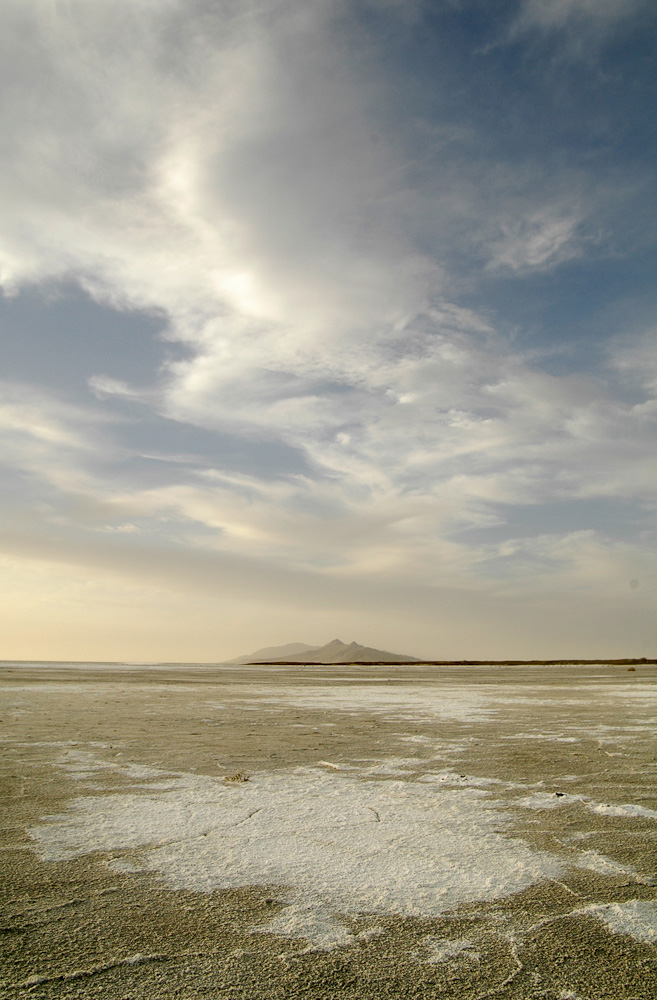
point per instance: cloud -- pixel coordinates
(49, 441)
(262, 154)
(580, 28)
(541, 240)
(315, 239)
(551, 15)
(431, 445)
(635, 359)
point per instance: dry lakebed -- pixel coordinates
(315, 831)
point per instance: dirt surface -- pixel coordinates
(79, 927)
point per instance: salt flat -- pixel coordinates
(440, 832)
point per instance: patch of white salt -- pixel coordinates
(313, 921)
(416, 739)
(624, 810)
(338, 844)
(443, 949)
(543, 737)
(636, 918)
(461, 780)
(595, 862)
(553, 800)
(402, 701)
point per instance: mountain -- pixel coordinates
(340, 652)
(269, 652)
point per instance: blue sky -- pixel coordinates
(333, 318)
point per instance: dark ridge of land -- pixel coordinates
(450, 663)
(335, 651)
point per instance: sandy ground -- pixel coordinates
(109, 891)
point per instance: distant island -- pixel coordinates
(337, 652)
(333, 652)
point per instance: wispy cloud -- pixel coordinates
(326, 244)
(544, 239)
(549, 15)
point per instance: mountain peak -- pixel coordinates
(268, 652)
(337, 651)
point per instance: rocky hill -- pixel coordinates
(269, 652)
(336, 652)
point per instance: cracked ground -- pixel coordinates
(564, 756)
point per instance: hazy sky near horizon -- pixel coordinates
(328, 318)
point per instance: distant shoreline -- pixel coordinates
(447, 663)
(126, 665)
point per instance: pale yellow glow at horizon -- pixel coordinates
(53, 612)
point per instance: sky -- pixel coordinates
(328, 319)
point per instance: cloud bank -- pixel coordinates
(366, 378)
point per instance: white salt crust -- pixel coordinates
(553, 800)
(462, 780)
(626, 809)
(337, 844)
(315, 922)
(441, 950)
(543, 737)
(401, 701)
(405, 701)
(595, 862)
(637, 918)
(330, 843)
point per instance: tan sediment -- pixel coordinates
(77, 928)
